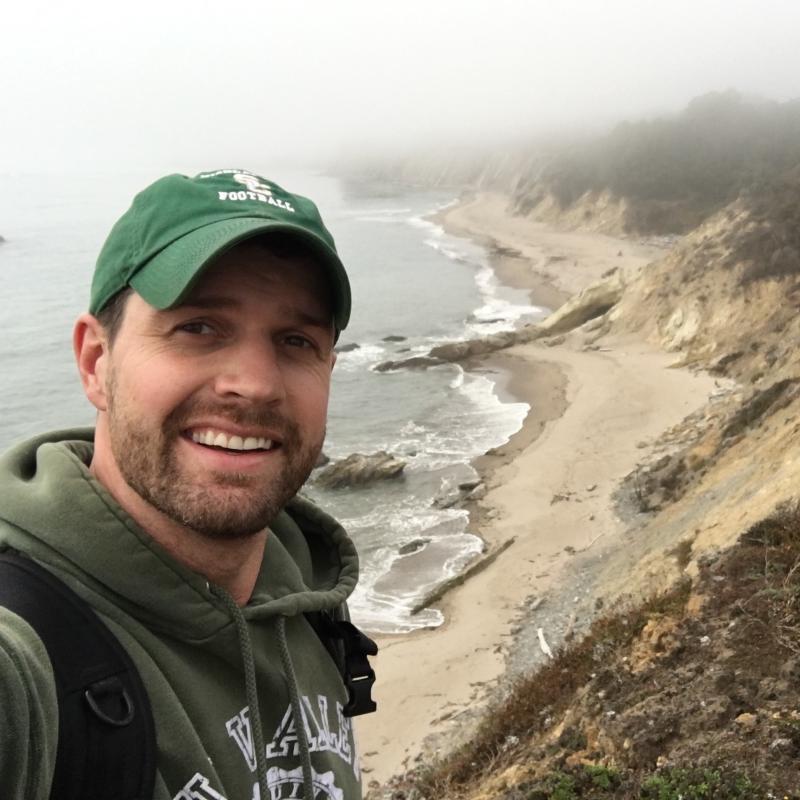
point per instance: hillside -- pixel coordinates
(727, 296)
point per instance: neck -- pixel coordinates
(232, 564)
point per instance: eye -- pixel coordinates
(198, 327)
(297, 340)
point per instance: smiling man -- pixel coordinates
(207, 352)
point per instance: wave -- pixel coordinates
(447, 204)
(426, 224)
(474, 421)
(385, 599)
(364, 355)
(458, 381)
(453, 253)
(497, 313)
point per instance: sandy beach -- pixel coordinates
(549, 488)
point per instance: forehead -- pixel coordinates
(253, 270)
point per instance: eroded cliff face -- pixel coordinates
(726, 298)
(595, 211)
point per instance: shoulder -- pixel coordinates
(29, 735)
(23, 657)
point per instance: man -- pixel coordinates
(207, 352)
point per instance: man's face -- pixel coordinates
(216, 409)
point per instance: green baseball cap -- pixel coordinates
(178, 226)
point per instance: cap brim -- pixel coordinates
(167, 278)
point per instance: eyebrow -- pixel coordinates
(217, 302)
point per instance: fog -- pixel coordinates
(184, 85)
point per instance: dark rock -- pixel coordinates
(416, 362)
(412, 547)
(322, 460)
(346, 348)
(478, 493)
(360, 470)
(447, 498)
(458, 351)
(394, 338)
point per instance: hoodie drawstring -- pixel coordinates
(297, 709)
(251, 693)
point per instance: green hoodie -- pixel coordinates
(192, 645)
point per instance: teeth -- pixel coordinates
(219, 439)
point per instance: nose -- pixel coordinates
(250, 370)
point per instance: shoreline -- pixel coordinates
(549, 487)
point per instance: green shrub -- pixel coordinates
(697, 784)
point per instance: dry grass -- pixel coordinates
(534, 701)
(769, 564)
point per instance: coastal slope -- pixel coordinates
(550, 489)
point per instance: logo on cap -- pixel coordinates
(253, 183)
(256, 190)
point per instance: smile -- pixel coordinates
(212, 438)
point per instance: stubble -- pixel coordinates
(219, 505)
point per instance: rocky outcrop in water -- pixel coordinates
(591, 303)
(347, 348)
(415, 362)
(458, 351)
(360, 470)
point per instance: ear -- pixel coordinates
(91, 348)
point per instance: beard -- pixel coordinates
(218, 505)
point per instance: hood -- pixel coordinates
(53, 509)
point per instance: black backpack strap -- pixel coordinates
(349, 648)
(106, 742)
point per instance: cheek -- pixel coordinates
(309, 395)
(151, 388)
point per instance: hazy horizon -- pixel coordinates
(177, 86)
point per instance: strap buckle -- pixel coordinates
(358, 674)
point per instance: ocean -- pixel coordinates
(411, 281)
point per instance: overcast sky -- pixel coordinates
(175, 84)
